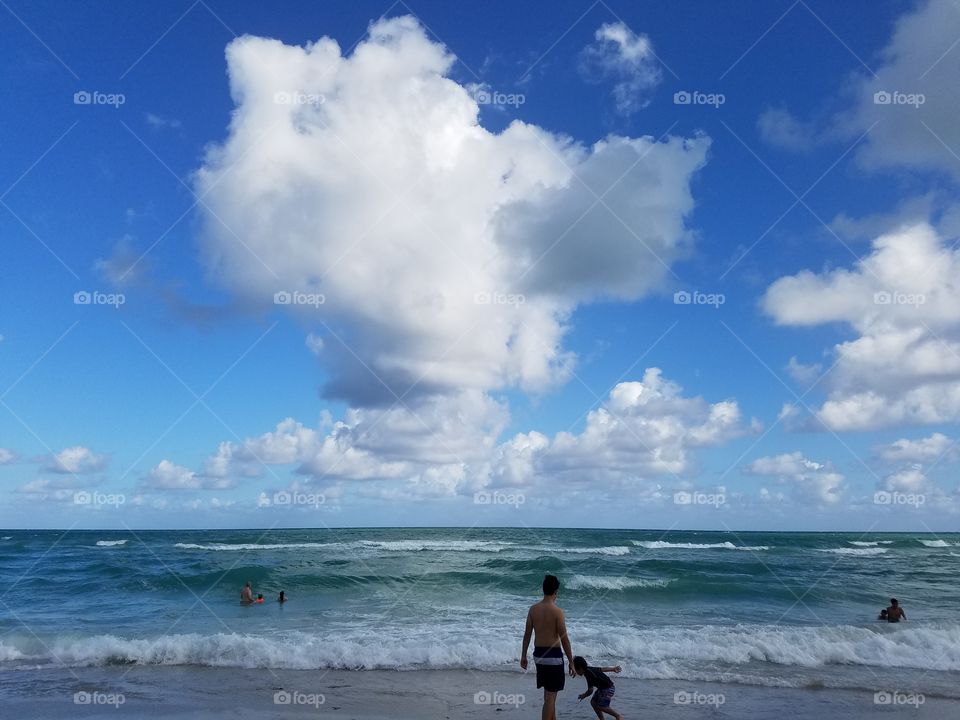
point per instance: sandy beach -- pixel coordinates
(203, 693)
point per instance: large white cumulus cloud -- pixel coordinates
(368, 178)
(902, 300)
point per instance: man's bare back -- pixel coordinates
(549, 623)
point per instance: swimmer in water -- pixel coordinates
(895, 613)
(259, 599)
(246, 595)
(283, 597)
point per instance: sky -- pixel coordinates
(650, 265)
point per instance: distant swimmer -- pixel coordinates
(246, 595)
(259, 599)
(895, 613)
(283, 597)
(547, 622)
(883, 615)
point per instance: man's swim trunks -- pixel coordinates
(550, 673)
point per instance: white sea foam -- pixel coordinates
(384, 545)
(870, 543)
(110, 543)
(855, 551)
(663, 545)
(937, 543)
(592, 582)
(608, 550)
(665, 651)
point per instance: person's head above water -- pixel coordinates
(893, 601)
(283, 596)
(551, 585)
(580, 665)
(248, 584)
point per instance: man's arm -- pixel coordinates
(527, 633)
(565, 641)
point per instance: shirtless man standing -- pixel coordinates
(547, 621)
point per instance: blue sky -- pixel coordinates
(447, 158)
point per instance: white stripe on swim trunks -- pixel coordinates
(548, 656)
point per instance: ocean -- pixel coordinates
(793, 610)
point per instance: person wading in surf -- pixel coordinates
(547, 622)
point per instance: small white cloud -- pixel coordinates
(157, 121)
(934, 449)
(314, 343)
(805, 479)
(169, 476)
(619, 53)
(7, 456)
(77, 460)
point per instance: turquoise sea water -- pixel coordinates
(782, 609)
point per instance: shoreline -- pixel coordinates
(201, 693)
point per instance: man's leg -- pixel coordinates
(549, 705)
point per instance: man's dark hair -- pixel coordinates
(893, 601)
(550, 584)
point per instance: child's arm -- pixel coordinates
(615, 669)
(587, 693)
